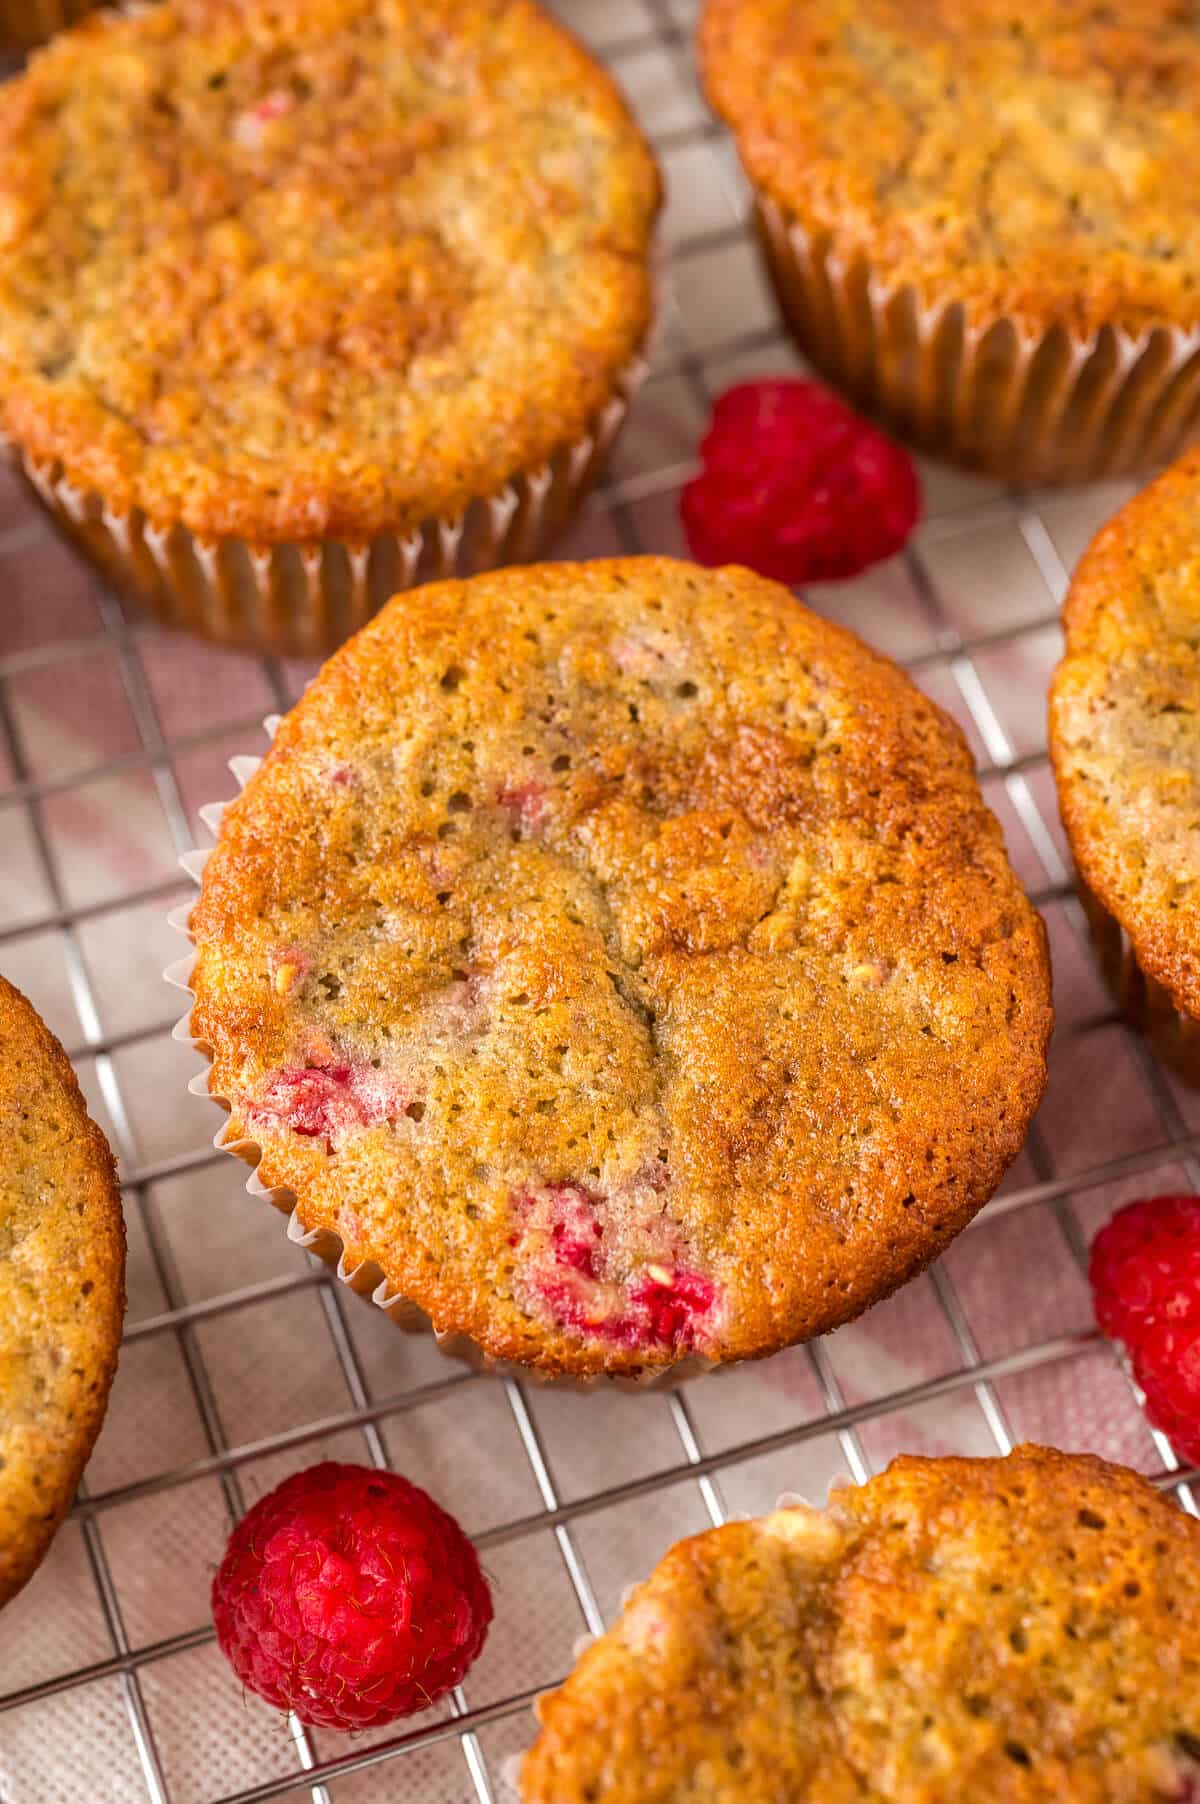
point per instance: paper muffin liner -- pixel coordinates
(1148, 1004)
(1029, 406)
(305, 599)
(368, 1278)
(24, 23)
(511, 1765)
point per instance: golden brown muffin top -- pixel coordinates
(1040, 161)
(62, 1286)
(315, 267)
(1124, 706)
(624, 958)
(1012, 1631)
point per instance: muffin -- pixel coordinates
(1011, 1629)
(1123, 708)
(618, 963)
(24, 23)
(62, 1287)
(981, 221)
(303, 303)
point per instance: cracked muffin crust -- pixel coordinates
(316, 267)
(998, 211)
(624, 960)
(1018, 1630)
(1123, 727)
(62, 1286)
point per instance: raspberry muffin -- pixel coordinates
(302, 303)
(981, 221)
(1126, 755)
(62, 1287)
(1018, 1630)
(620, 962)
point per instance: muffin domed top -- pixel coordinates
(1041, 161)
(1022, 1630)
(625, 960)
(62, 1268)
(315, 267)
(1123, 713)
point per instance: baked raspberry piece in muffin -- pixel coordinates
(978, 218)
(998, 1631)
(303, 302)
(621, 962)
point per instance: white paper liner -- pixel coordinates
(301, 599)
(1147, 1003)
(1025, 405)
(367, 1279)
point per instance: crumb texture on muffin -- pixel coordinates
(316, 267)
(1123, 726)
(1013, 1630)
(62, 1277)
(1038, 162)
(625, 960)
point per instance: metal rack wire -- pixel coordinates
(588, 1491)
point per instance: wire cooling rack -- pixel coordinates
(243, 1361)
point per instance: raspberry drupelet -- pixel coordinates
(654, 989)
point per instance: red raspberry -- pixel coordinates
(798, 486)
(350, 1597)
(1139, 1258)
(1145, 1276)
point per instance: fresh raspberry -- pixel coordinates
(1145, 1276)
(1139, 1259)
(350, 1597)
(798, 486)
